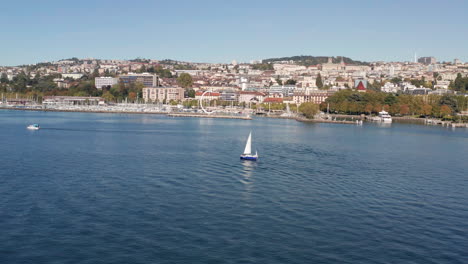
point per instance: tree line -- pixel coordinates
(371, 102)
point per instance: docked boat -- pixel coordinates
(383, 117)
(34, 127)
(247, 155)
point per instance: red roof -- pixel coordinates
(273, 100)
(361, 86)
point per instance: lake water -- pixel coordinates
(110, 188)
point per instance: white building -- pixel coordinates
(390, 87)
(163, 94)
(71, 100)
(314, 96)
(442, 85)
(251, 97)
(72, 75)
(284, 90)
(101, 82)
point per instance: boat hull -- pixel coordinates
(248, 158)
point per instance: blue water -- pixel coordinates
(110, 188)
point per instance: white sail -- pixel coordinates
(248, 146)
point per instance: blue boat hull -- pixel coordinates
(248, 158)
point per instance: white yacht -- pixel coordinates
(383, 117)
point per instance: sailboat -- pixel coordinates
(247, 155)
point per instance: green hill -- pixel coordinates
(314, 60)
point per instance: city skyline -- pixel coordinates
(210, 32)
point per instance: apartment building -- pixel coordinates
(314, 96)
(148, 80)
(101, 82)
(163, 94)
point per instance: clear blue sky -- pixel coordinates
(221, 31)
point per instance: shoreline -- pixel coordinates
(400, 119)
(81, 111)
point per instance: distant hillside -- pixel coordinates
(314, 60)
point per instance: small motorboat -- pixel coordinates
(247, 155)
(34, 127)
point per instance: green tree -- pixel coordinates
(318, 81)
(263, 67)
(390, 99)
(396, 80)
(291, 82)
(460, 84)
(185, 80)
(309, 109)
(95, 73)
(163, 73)
(108, 97)
(4, 78)
(279, 81)
(191, 93)
(449, 101)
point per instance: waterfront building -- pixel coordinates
(148, 80)
(102, 82)
(163, 94)
(314, 96)
(285, 90)
(247, 97)
(18, 101)
(71, 100)
(228, 96)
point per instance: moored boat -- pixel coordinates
(383, 117)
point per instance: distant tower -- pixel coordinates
(415, 58)
(330, 60)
